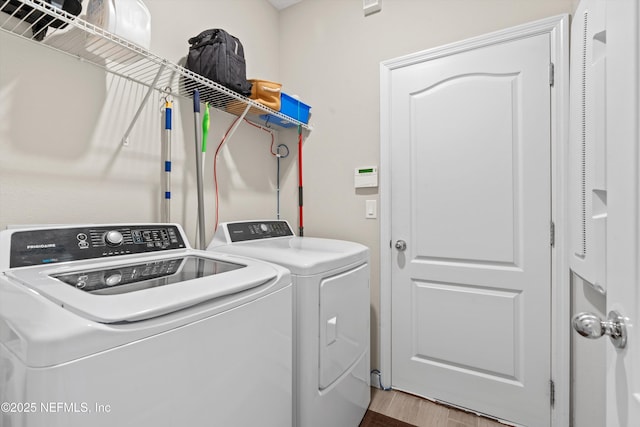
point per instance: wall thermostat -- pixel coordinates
(366, 176)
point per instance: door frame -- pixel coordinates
(558, 29)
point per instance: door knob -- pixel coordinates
(591, 326)
(401, 245)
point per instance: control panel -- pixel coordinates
(47, 246)
(151, 274)
(256, 230)
(98, 280)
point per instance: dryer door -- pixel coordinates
(344, 322)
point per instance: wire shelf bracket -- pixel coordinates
(125, 138)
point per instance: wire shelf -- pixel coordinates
(56, 29)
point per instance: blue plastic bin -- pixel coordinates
(291, 107)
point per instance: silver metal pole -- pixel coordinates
(198, 133)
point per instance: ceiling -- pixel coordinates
(282, 4)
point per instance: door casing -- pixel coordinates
(558, 29)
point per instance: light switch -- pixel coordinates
(371, 6)
(371, 209)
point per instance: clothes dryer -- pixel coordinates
(331, 316)
(126, 325)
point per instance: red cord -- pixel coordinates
(301, 231)
(266, 130)
(215, 159)
(215, 170)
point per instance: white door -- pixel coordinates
(623, 204)
(470, 214)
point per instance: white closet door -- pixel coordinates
(471, 200)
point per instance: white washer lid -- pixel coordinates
(145, 303)
(303, 256)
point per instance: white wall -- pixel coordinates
(330, 55)
(574, 5)
(61, 122)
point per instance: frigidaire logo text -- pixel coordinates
(42, 246)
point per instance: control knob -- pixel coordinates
(113, 238)
(113, 278)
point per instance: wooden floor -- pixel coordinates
(414, 411)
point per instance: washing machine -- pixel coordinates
(126, 325)
(331, 316)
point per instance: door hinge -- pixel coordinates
(552, 234)
(551, 74)
(552, 392)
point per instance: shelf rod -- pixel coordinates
(125, 138)
(235, 126)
